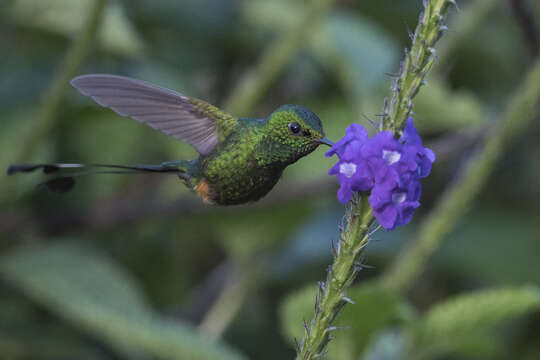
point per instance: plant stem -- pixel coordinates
(71, 64)
(459, 197)
(417, 63)
(331, 297)
(274, 60)
(354, 237)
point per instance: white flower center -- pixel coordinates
(347, 169)
(398, 198)
(390, 156)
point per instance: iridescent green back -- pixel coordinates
(250, 161)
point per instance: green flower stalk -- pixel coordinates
(354, 235)
(416, 64)
(331, 296)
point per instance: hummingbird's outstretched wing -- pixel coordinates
(188, 119)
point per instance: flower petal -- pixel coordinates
(406, 212)
(391, 168)
(344, 193)
(410, 135)
(387, 217)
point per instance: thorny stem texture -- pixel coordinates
(354, 236)
(417, 63)
(331, 296)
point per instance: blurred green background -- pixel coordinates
(137, 267)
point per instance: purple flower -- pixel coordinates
(391, 168)
(393, 205)
(413, 143)
(354, 134)
(381, 152)
(351, 170)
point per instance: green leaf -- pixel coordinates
(26, 334)
(461, 323)
(93, 292)
(42, 343)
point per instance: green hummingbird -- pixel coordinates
(241, 159)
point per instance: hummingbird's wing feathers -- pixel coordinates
(188, 119)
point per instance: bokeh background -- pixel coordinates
(136, 267)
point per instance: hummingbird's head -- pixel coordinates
(296, 131)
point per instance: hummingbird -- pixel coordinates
(240, 159)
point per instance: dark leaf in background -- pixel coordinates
(94, 293)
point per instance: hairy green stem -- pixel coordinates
(458, 198)
(354, 237)
(331, 296)
(417, 63)
(274, 60)
(53, 97)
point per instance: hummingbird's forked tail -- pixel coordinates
(68, 172)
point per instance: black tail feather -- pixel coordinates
(66, 179)
(51, 168)
(47, 168)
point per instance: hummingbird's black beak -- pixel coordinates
(325, 141)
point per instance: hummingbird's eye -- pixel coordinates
(294, 128)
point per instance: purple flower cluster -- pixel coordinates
(391, 168)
